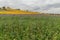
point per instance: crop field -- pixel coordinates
(29, 27)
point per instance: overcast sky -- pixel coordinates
(32, 4)
(28, 2)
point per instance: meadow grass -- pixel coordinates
(29, 27)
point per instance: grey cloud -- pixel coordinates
(47, 7)
(57, 5)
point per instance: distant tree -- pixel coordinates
(8, 8)
(3, 8)
(27, 10)
(18, 9)
(0, 8)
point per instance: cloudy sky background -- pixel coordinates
(49, 6)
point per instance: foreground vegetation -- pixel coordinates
(29, 27)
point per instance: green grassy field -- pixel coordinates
(29, 27)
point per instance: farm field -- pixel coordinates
(17, 12)
(29, 27)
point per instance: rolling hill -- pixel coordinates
(8, 10)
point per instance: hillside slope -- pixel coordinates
(15, 11)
